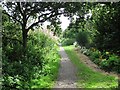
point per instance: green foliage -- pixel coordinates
(50, 60)
(95, 56)
(40, 62)
(105, 60)
(106, 20)
(38, 68)
(102, 27)
(100, 31)
(22, 13)
(112, 63)
(55, 28)
(67, 41)
(70, 33)
(82, 38)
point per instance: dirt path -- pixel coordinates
(67, 72)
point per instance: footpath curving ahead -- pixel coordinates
(67, 73)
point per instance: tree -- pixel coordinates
(55, 28)
(23, 12)
(106, 20)
(82, 38)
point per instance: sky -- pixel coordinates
(64, 22)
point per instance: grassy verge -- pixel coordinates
(87, 78)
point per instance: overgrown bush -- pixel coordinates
(106, 60)
(95, 56)
(36, 69)
(50, 60)
(111, 64)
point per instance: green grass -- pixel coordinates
(87, 78)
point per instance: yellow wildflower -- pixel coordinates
(107, 52)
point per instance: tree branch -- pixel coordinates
(19, 7)
(13, 17)
(43, 20)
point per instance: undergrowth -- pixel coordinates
(38, 68)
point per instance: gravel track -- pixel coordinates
(67, 73)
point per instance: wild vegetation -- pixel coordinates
(97, 33)
(30, 58)
(37, 67)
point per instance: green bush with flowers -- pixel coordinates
(105, 60)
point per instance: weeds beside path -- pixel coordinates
(88, 78)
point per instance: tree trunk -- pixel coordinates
(24, 37)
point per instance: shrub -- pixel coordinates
(67, 41)
(114, 62)
(82, 38)
(105, 60)
(104, 64)
(110, 62)
(95, 55)
(21, 70)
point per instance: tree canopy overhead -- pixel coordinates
(38, 12)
